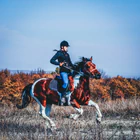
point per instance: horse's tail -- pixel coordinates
(26, 98)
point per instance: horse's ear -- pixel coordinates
(91, 58)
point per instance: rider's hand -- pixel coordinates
(61, 64)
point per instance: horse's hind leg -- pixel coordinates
(47, 109)
(98, 112)
(40, 105)
(45, 112)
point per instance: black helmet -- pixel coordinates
(64, 43)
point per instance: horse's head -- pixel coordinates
(89, 68)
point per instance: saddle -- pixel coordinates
(57, 82)
(56, 85)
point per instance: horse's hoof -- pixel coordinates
(53, 128)
(98, 120)
(40, 113)
(71, 116)
(74, 116)
(51, 131)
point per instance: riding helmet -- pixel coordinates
(64, 43)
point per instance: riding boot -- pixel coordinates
(60, 103)
(62, 97)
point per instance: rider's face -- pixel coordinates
(65, 48)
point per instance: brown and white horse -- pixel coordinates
(80, 92)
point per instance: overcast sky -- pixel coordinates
(108, 30)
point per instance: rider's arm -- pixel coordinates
(54, 59)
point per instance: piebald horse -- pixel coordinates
(80, 93)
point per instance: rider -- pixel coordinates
(62, 59)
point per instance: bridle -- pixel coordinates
(89, 74)
(85, 69)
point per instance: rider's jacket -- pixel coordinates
(62, 56)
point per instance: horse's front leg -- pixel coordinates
(98, 112)
(76, 115)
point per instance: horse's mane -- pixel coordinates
(82, 59)
(80, 64)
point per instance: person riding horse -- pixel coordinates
(62, 59)
(46, 96)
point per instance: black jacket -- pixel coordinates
(62, 56)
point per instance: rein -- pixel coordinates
(80, 73)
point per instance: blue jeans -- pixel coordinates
(65, 79)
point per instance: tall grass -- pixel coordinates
(121, 107)
(121, 120)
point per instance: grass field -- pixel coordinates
(121, 121)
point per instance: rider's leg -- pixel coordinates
(64, 77)
(98, 112)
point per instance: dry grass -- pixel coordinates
(121, 120)
(121, 107)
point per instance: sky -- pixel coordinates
(107, 30)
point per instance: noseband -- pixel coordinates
(89, 72)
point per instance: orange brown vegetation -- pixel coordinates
(11, 86)
(114, 88)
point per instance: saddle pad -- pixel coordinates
(53, 85)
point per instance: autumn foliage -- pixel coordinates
(11, 86)
(114, 88)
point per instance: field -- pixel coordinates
(121, 121)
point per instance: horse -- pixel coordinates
(79, 94)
